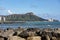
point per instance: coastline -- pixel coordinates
(7, 22)
(30, 34)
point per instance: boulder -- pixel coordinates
(48, 29)
(58, 38)
(33, 29)
(7, 33)
(18, 31)
(15, 38)
(34, 38)
(1, 38)
(23, 34)
(30, 33)
(55, 34)
(53, 38)
(26, 34)
(45, 37)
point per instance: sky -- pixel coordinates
(42, 8)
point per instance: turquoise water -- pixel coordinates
(32, 25)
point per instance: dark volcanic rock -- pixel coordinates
(45, 37)
(24, 34)
(53, 38)
(3, 38)
(28, 32)
(33, 29)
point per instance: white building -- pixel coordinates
(50, 20)
(2, 18)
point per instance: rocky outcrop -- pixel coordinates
(34, 38)
(18, 31)
(30, 34)
(45, 37)
(7, 33)
(15, 38)
(1, 38)
(53, 38)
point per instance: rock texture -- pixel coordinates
(30, 34)
(15, 38)
(34, 38)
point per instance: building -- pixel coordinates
(2, 18)
(50, 20)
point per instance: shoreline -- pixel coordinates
(8, 22)
(30, 33)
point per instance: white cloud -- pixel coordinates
(10, 12)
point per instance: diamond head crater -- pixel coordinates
(30, 16)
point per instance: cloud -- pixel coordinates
(10, 12)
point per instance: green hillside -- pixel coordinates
(24, 17)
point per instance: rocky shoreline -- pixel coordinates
(30, 34)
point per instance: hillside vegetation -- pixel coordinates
(24, 17)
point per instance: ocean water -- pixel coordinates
(31, 25)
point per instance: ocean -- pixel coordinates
(31, 25)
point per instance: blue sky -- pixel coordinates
(42, 8)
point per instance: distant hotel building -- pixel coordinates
(50, 20)
(2, 18)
